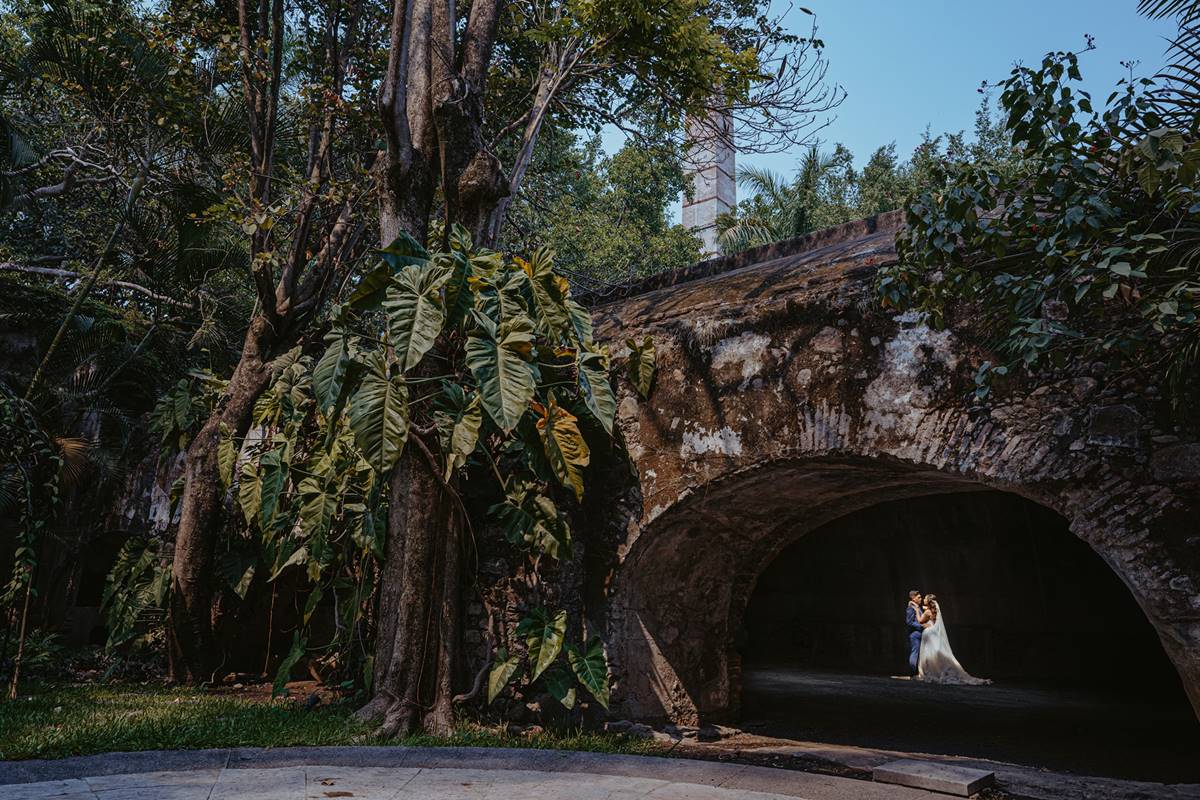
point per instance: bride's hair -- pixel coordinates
(931, 602)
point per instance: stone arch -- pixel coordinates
(785, 397)
(685, 582)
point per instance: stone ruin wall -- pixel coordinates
(785, 397)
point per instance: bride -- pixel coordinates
(937, 663)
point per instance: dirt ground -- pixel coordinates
(1063, 730)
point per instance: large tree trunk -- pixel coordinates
(431, 106)
(193, 654)
(418, 632)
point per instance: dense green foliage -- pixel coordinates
(605, 217)
(484, 363)
(1090, 250)
(828, 189)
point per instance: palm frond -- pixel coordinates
(762, 181)
(1161, 9)
(1178, 99)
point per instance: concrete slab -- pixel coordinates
(945, 778)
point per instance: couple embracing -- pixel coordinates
(930, 657)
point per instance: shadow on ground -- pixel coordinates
(1067, 730)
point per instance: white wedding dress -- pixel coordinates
(937, 663)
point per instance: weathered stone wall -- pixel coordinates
(785, 398)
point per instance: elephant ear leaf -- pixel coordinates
(560, 686)
(543, 638)
(549, 292)
(404, 251)
(227, 453)
(597, 391)
(272, 476)
(458, 424)
(581, 323)
(591, 668)
(414, 311)
(502, 671)
(641, 365)
(379, 416)
(250, 491)
(565, 447)
(498, 358)
(334, 375)
(372, 289)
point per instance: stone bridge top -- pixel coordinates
(834, 263)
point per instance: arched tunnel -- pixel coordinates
(775, 601)
(805, 457)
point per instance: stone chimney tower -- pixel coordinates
(709, 164)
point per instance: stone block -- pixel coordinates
(944, 778)
(1114, 426)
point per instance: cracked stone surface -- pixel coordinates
(786, 397)
(412, 773)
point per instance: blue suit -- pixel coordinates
(914, 638)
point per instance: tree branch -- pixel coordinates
(9, 266)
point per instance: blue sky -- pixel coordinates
(910, 63)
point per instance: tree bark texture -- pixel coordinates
(419, 603)
(193, 654)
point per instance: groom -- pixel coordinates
(911, 616)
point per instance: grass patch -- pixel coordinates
(60, 721)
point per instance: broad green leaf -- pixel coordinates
(237, 569)
(549, 292)
(564, 445)
(560, 685)
(250, 491)
(369, 293)
(414, 312)
(458, 430)
(596, 390)
(543, 638)
(529, 518)
(272, 475)
(227, 453)
(503, 668)
(498, 358)
(404, 251)
(581, 324)
(318, 504)
(331, 372)
(459, 297)
(379, 416)
(290, 660)
(591, 668)
(286, 361)
(641, 365)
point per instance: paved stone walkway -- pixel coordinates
(397, 773)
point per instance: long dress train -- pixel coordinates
(937, 663)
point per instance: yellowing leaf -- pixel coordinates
(503, 668)
(641, 365)
(564, 445)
